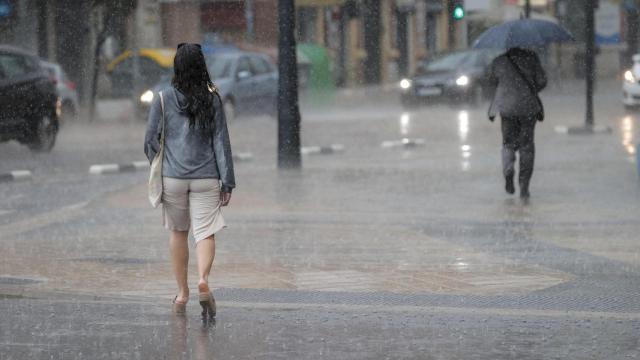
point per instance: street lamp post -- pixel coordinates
(289, 156)
(589, 59)
(527, 9)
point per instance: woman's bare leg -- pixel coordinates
(206, 252)
(180, 261)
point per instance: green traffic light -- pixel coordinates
(458, 12)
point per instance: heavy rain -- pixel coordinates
(319, 179)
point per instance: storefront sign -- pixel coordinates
(608, 23)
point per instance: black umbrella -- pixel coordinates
(523, 33)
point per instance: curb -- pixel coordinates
(102, 169)
(406, 142)
(245, 156)
(324, 150)
(582, 130)
(16, 175)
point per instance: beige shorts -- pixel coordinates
(192, 203)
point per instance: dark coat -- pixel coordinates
(513, 96)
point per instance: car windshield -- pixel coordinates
(453, 61)
(219, 67)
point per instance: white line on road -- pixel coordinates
(243, 156)
(406, 142)
(104, 169)
(16, 175)
(331, 149)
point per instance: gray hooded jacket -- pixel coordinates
(189, 153)
(513, 96)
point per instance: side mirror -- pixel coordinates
(243, 75)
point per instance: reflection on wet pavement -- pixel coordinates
(628, 140)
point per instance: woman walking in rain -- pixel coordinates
(187, 127)
(518, 77)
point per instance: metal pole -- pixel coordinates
(402, 41)
(371, 18)
(249, 15)
(527, 9)
(589, 59)
(632, 33)
(289, 156)
(451, 26)
(135, 57)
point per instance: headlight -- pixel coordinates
(462, 80)
(628, 77)
(147, 97)
(58, 107)
(405, 84)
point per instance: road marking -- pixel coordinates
(243, 156)
(5, 212)
(582, 130)
(104, 169)
(16, 175)
(406, 142)
(331, 149)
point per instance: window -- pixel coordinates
(259, 65)
(244, 65)
(14, 66)
(219, 67)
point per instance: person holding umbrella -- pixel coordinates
(518, 77)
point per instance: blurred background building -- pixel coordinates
(365, 41)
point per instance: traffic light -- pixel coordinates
(457, 9)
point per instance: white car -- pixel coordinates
(631, 84)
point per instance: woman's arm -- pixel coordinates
(222, 148)
(152, 135)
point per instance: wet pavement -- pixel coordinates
(373, 252)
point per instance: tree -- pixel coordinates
(113, 19)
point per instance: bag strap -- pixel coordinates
(526, 80)
(162, 131)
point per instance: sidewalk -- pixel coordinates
(372, 251)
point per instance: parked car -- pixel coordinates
(247, 83)
(154, 64)
(66, 90)
(29, 103)
(631, 85)
(456, 77)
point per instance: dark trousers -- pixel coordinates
(517, 136)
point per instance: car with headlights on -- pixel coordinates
(456, 77)
(247, 83)
(631, 85)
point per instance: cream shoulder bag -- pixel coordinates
(155, 173)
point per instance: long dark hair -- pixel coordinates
(191, 78)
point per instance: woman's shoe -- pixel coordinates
(179, 307)
(207, 302)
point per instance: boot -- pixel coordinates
(509, 187)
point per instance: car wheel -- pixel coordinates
(44, 133)
(229, 109)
